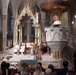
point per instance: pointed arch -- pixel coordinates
(10, 25)
(37, 9)
(21, 6)
(10, 14)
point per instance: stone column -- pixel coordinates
(70, 28)
(57, 55)
(29, 30)
(37, 34)
(4, 23)
(43, 37)
(64, 19)
(60, 54)
(15, 38)
(0, 24)
(20, 35)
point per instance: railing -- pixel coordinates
(69, 60)
(71, 40)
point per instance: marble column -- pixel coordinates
(4, 23)
(29, 25)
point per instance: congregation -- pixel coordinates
(38, 69)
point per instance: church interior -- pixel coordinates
(35, 31)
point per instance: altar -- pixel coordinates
(47, 59)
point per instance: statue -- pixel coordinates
(56, 21)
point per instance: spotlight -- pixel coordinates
(72, 22)
(75, 16)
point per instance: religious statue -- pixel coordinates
(56, 21)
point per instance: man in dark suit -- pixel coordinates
(64, 70)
